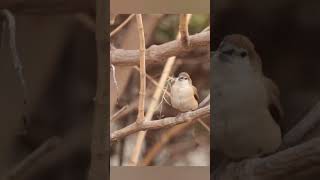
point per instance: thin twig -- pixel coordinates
(122, 25)
(117, 114)
(142, 50)
(161, 123)
(154, 82)
(183, 29)
(113, 69)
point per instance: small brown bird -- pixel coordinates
(246, 102)
(184, 96)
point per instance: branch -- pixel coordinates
(162, 123)
(295, 135)
(25, 164)
(159, 53)
(281, 163)
(125, 22)
(142, 50)
(183, 29)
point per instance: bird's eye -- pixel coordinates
(243, 54)
(228, 52)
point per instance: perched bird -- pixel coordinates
(184, 96)
(246, 105)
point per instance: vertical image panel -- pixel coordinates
(160, 89)
(265, 88)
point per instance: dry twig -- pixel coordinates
(183, 29)
(118, 113)
(142, 50)
(162, 123)
(116, 30)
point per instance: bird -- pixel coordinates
(184, 96)
(246, 106)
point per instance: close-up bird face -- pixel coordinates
(229, 52)
(237, 49)
(183, 78)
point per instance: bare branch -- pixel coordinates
(116, 115)
(125, 22)
(142, 50)
(162, 123)
(295, 135)
(284, 162)
(183, 29)
(159, 53)
(39, 153)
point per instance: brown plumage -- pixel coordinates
(242, 41)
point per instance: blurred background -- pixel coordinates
(58, 54)
(286, 35)
(177, 146)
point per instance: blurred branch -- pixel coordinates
(162, 123)
(283, 162)
(99, 168)
(159, 53)
(295, 135)
(116, 115)
(295, 158)
(183, 29)
(25, 164)
(142, 50)
(87, 21)
(18, 66)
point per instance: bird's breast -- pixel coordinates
(182, 98)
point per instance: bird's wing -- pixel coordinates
(195, 90)
(274, 105)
